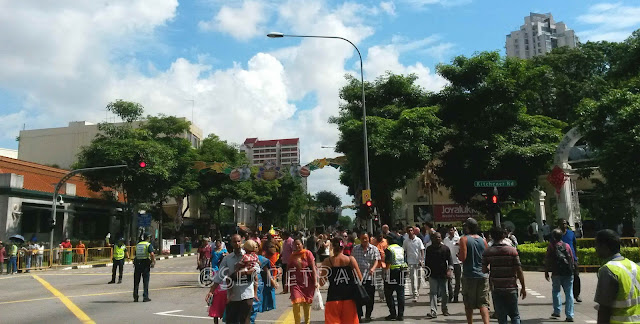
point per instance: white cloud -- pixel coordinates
(243, 23)
(383, 58)
(421, 4)
(389, 7)
(612, 22)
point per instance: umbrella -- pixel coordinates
(17, 237)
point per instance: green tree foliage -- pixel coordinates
(404, 134)
(612, 127)
(345, 222)
(327, 204)
(126, 143)
(491, 135)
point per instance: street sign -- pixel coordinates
(495, 183)
(366, 195)
(144, 220)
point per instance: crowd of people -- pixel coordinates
(483, 268)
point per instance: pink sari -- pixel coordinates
(303, 279)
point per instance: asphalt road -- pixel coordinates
(76, 296)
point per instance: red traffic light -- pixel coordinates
(369, 203)
(143, 164)
(494, 199)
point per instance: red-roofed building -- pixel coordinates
(280, 151)
(26, 193)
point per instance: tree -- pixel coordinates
(612, 127)
(124, 144)
(345, 222)
(328, 204)
(491, 135)
(404, 134)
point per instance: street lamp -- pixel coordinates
(364, 108)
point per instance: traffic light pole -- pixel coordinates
(55, 199)
(497, 215)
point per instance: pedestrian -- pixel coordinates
(440, 260)
(348, 243)
(532, 229)
(39, 255)
(502, 262)
(312, 244)
(145, 260)
(579, 232)
(475, 283)
(381, 243)
(303, 280)
(342, 273)
(414, 251)
(323, 247)
(27, 251)
(512, 238)
(3, 253)
(569, 237)
(204, 254)
(287, 249)
(119, 254)
(546, 230)
(427, 232)
(396, 268)
(12, 266)
(265, 280)
(617, 291)
(418, 232)
(80, 250)
(241, 292)
(218, 253)
(66, 249)
(559, 260)
(367, 256)
(452, 241)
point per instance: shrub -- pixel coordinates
(532, 254)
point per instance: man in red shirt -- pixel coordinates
(287, 249)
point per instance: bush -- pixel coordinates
(533, 254)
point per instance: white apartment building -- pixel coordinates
(279, 151)
(538, 36)
(60, 146)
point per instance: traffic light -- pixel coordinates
(369, 203)
(142, 162)
(494, 199)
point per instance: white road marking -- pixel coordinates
(590, 321)
(540, 297)
(171, 313)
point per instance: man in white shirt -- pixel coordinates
(414, 250)
(452, 242)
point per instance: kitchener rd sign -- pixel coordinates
(494, 183)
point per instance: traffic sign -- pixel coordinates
(495, 183)
(366, 196)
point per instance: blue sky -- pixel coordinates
(65, 62)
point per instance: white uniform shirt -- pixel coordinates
(453, 245)
(413, 249)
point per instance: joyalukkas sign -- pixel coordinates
(453, 213)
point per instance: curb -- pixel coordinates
(102, 265)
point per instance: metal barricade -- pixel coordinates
(100, 255)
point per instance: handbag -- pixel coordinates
(362, 296)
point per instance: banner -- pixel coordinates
(453, 213)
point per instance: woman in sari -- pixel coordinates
(269, 300)
(304, 280)
(266, 289)
(217, 254)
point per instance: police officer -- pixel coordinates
(145, 259)
(119, 254)
(618, 289)
(396, 267)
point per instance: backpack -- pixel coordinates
(564, 265)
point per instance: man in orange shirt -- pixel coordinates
(381, 243)
(80, 251)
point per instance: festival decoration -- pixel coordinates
(557, 177)
(269, 171)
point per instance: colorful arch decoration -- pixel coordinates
(268, 171)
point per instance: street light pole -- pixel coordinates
(55, 198)
(364, 107)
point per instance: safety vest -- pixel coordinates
(397, 261)
(118, 252)
(142, 250)
(626, 308)
(14, 250)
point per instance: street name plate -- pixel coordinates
(495, 183)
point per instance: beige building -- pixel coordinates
(60, 146)
(539, 35)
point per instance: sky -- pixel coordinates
(63, 61)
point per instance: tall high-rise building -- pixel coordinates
(538, 36)
(279, 151)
